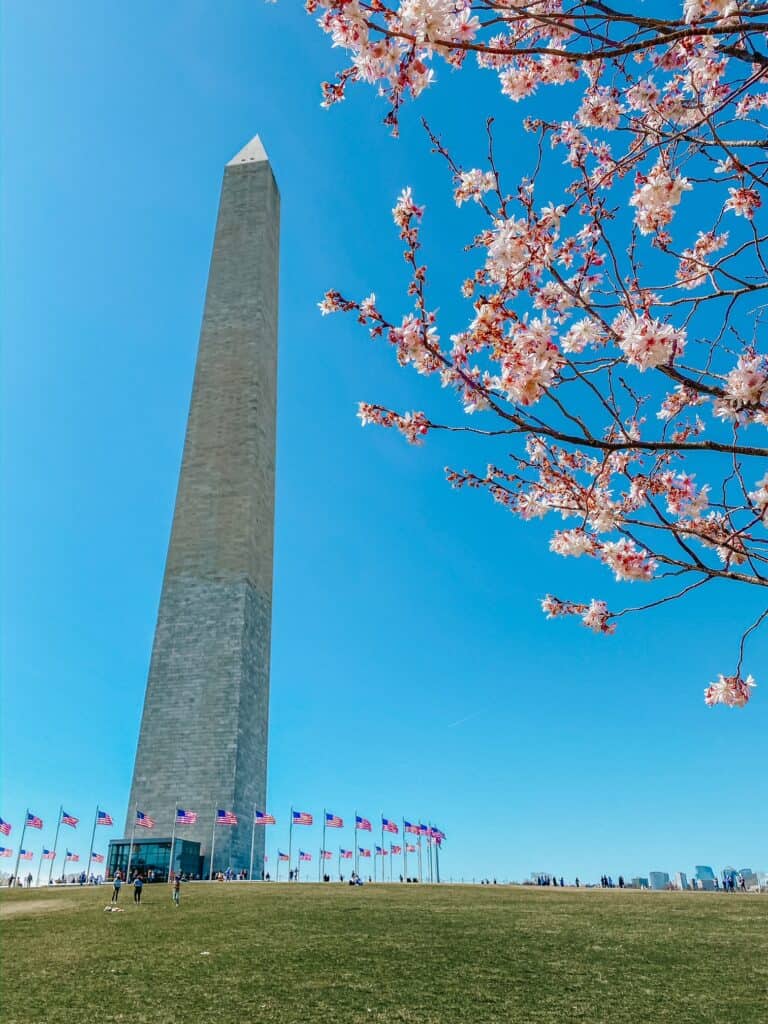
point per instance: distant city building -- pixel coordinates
(729, 873)
(658, 879)
(704, 873)
(681, 880)
(639, 883)
(708, 884)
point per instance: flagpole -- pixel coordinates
(391, 855)
(21, 845)
(253, 838)
(213, 846)
(130, 852)
(277, 871)
(354, 836)
(321, 865)
(429, 850)
(55, 842)
(405, 851)
(437, 861)
(173, 841)
(39, 868)
(419, 853)
(381, 818)
(338, 865)
(290, 844)
(90, 848)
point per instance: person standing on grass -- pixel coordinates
(118, 881)
(138, 885)
(176, 890)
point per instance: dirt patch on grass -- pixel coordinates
(8, 909)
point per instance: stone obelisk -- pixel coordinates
(203, 738)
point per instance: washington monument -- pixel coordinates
(203, 739)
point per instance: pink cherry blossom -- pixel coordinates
(618, 373)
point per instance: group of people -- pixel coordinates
(233, 876)
(19, 881)
(138, 887)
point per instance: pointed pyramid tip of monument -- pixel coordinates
(252, 153)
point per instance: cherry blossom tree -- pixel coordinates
(620, 360)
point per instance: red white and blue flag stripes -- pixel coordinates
(282, 856)
(262, 818)
(304, 856)
(333, 820)
(389, 826)
(363, 853)
(409, 827)
(226, 817)
(396, 849)
(302, 818)
(97, 858)
(380, 851)
(184, 817)
(69, 819)
(6, 851)
(5, 827)
(362, 824)
(26, 855)
(345, 854)
(49, 854)
(72, 856)
(33, 821)
(102, 818)
(326, 854)
(144, 821)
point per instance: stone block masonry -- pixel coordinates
(203, 738)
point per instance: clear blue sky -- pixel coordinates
(412, 670)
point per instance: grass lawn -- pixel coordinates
(331, 953)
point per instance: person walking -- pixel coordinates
(117, 883)
(176, 890)
(138, 885)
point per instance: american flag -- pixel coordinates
(5, 828)
(33, 821)
(345, 854)
(389, 826)
(410, 848)
(362, 824)
(26, 855)
(262, 818)
(282, 856)
(333, 820)
(408, 827)
(226, 817)
(185, 817)
(5, 851)
(72, 856)
(102, 818)
(396, 849)
(302, 818)
(48, 854)
(380, 852)
(97, 858)
(304, 856)
(69, 819)
(423, 830)
(364, 853)
(144, 820)
(326, 854)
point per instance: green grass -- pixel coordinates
(446, 954)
